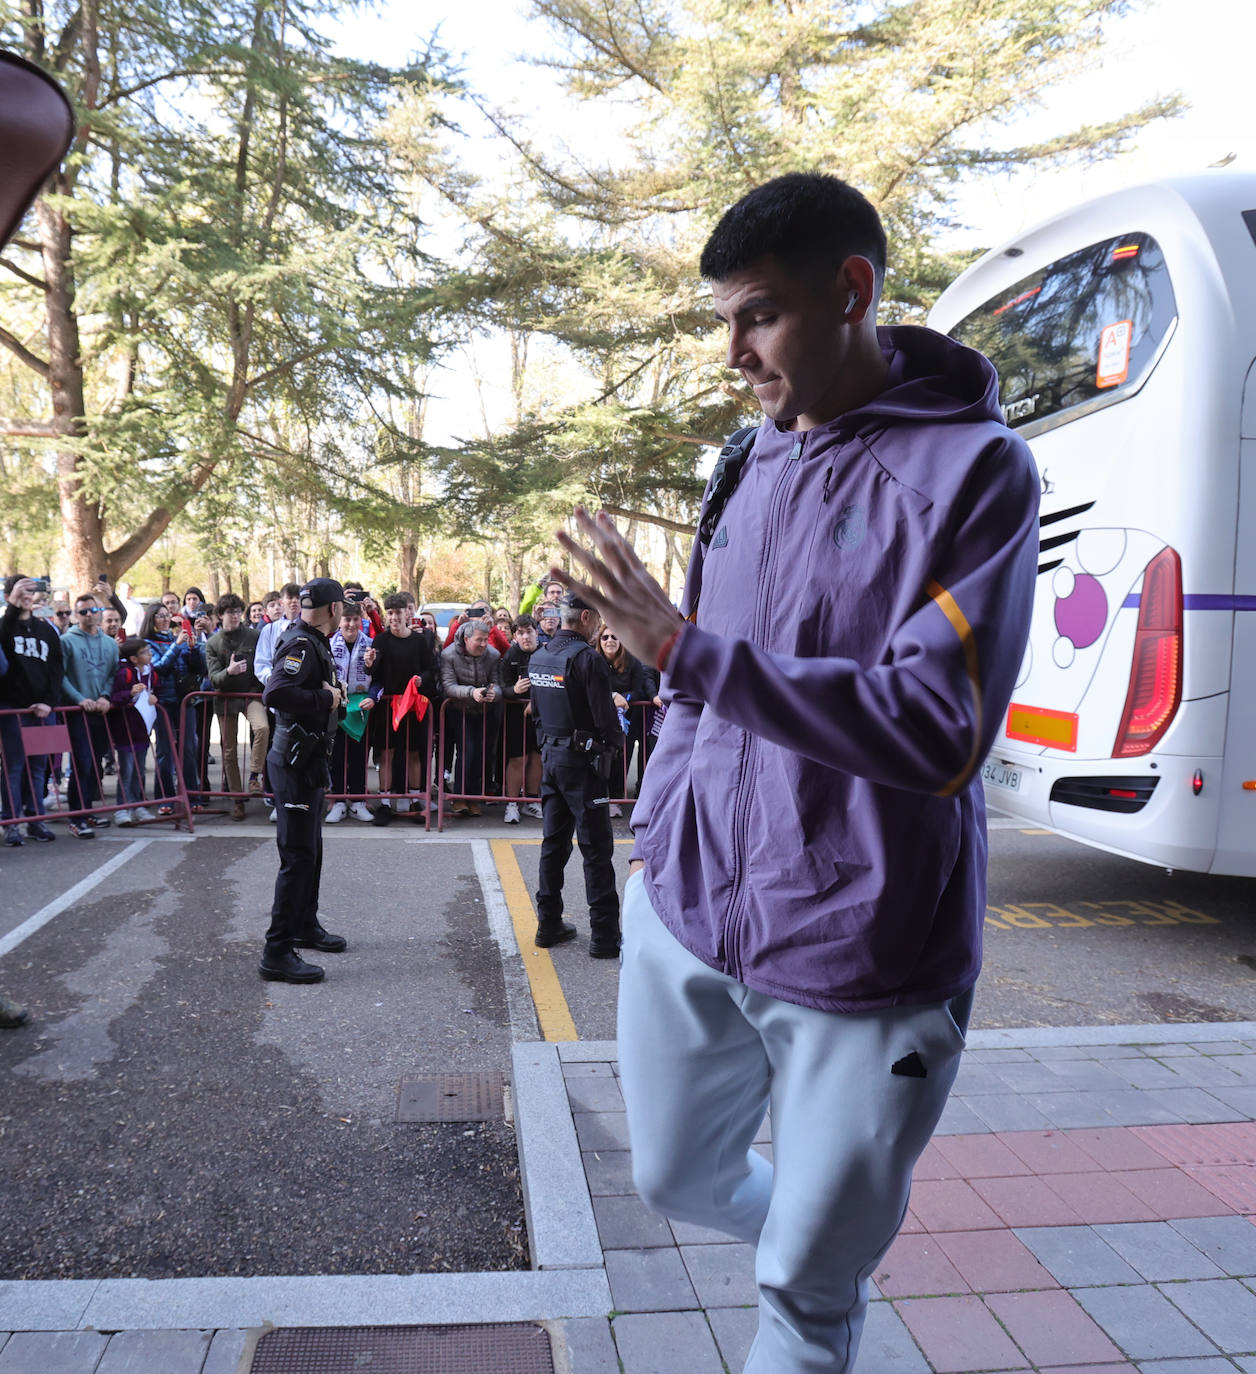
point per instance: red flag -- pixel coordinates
(410, 700)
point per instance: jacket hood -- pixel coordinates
(931, 379)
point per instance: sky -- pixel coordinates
(1198, 48)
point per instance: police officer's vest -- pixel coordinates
(561, 717)
(327, 665)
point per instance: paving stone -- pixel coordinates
(1051, 1328)
(1188, 1146)
(1235, 1185)
(1210, 1073)
(981, 1156)
(1243, 1065)
(1046, 1053)
(1099, 1198)
(608, 1171)
(155, 1352)
(1158, 1252)
(1086, 1075)
(1223, 1309)
(1130, 1107)
(1023, 1202)
(1032, 1077)
(958, 1118)
(1230, 1242)
(648, 1281)
(954, 1205)
(1194, 1105)
(975, 1079)
(1172, 1051)
(1213, 1048)
(1069, 1109)
(959, 1335)
(52, 1352)
(1247, 1366)
(1177, 1193)
(601, 1130)
(663, 1342)
(1215, 1366)
(587, 1071)
(1049, 1152)
(1121, 1368)
(722, 1275)
(590, 1346)
(690, 1233)
(4, 1336)
(1149, 1073)
(994, 1261)
(225, 1351)
(626, 1223)
(918, 1267)
(1242, 1100)
(1143, 1322)
(887, 1346)
(734, 1330)
(599, 1094)
(1076, 1256)
(1105, 1052)
(998, 1056)
(1008, 1112)
(933, 1164)
(1121, 1147)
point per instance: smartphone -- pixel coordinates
(103, 577)
(41, 584)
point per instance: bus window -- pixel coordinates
(1083, 332)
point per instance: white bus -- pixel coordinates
(1124, 332)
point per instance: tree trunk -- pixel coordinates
(407, 561)
(215, 587)
(244, 586)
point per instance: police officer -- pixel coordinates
(580, 736)
(307, 699)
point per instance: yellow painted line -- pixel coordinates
(1037, 832)
(552, 1011)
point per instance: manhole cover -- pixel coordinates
(451, 1097)
(519, 1349)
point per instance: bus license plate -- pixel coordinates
(1000, 775)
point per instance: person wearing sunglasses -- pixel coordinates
(90, 662)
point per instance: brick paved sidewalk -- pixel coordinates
(1085, 1208)
(1082, 1209)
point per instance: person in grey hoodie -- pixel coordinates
(802, 925)
(89, 664)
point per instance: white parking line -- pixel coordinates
(67, 899)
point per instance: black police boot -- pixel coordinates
(604, 947)
(323, 941)
(556, 932)
(289, 967)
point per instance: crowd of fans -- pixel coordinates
(176, 677)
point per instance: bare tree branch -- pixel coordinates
(25, 276)
(15, 345)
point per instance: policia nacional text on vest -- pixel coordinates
(578, 730)
(307, 716)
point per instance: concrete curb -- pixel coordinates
(561, 1226)
(1036, 1037)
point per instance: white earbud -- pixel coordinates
(851, 301)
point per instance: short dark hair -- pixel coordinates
(806, 221)
(350, 610)
(132, 645)
(290, 589)
(396, 602)
(11, 581)
(353, 586)
(197, 590)
(84, 596)
(270, 597)
(523, 622)
(230, 602)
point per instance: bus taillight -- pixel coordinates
(1155, 689)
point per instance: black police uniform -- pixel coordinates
(300, 747)
(580, 736)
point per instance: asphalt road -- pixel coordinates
(168, 1113)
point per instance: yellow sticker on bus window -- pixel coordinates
(1115, 342)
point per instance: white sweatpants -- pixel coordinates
(701, 1058)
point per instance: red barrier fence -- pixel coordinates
(31, 750)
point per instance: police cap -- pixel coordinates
(321, 591)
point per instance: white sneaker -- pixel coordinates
(535, 809)
(337, 813)
(360, 812)
(122, 818)
(512, 814)
(271, 817)
(52, 800)
(616, 811)
(142, 813)
(401, 806)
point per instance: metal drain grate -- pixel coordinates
(517, 1349)
(451, 1097)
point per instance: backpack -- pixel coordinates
(724, 479)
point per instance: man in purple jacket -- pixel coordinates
(802, 926)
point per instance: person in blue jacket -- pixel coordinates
(802, 924)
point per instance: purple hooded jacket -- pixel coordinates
(812, 822)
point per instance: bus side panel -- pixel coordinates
(1236, 833)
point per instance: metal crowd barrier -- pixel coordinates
(468, 734)
(82, 737)
(351, 761)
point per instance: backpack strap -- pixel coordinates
(724, 479)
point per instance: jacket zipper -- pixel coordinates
(741, 803)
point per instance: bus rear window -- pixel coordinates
(1081, 333)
